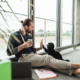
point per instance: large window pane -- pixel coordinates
(51, 32)
(45, 9)
(66, 22)
(67, 11)
(9, 21)
(45, 21)
(18, 6)
(39, 31)
(66, 34)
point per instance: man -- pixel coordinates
(25, 52)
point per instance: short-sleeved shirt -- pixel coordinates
(13, 44)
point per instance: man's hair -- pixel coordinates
(26, 22)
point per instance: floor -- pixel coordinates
(71, 54)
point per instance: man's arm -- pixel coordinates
(37, 49)
(11, 49)
(41, 46)
(45, 49)
(20, 48)
(24, 45)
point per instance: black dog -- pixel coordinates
(50, 50)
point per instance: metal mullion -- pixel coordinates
(28, 9)
(45, 31)
(73, 13)
(32, 16)
(58, 23)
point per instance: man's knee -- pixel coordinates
(48, 59)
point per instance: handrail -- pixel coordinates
(65, 47)
(78, 44)
(62, 48)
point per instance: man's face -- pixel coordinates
(30, 28)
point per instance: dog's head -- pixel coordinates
(50, 45)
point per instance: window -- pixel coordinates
(50, 32)
(8, 19)
(66, 22)
(45, 21)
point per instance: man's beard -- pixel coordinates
(27, 30)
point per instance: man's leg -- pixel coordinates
(65, 71)
(41, 60)
(77, 71)
(75, 65)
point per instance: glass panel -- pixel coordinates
(66, 22)
(66, 34)
(18, 6)
(39, 31)
(45, 10)
(51, 32)
(67, 11)
(11, 22)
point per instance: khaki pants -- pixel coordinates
(47, 60)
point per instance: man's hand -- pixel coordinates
(27, 44)
(41, 44)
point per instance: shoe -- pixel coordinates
(67, 60)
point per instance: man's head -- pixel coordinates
(28, 25)
(50, 45)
